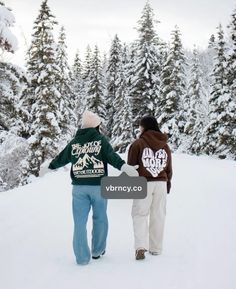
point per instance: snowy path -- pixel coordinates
(200, 237)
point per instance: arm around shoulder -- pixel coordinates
(110, 156)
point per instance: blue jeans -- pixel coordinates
(85, 197)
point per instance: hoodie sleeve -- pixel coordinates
(133, 154)
(110, 156)
(168, 169)
(62, 159)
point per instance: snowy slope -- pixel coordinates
(36, 233)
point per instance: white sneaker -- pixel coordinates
(155, 253)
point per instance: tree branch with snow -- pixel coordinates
(8, 41)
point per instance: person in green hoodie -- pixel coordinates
(89, 152)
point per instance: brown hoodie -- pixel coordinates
(152, 153)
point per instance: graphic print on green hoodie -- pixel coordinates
(89, 152)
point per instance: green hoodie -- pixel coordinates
(88, 152)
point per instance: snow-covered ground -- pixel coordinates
(200, 237)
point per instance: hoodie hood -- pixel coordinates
(154, 139)
(87, 134)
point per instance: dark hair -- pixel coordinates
(149, 123)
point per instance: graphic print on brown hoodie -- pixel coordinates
(152, 153)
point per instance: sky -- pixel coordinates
(97, 21)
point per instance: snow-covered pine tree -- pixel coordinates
(122, 130)
(11, 77)
(64, 86)
(8, 41)
(144, 89)
(13, 145)
(173, 91)
(95, 86)
(113, 71)
(12, 83)
(104, 62)
(131, 52)
(163, 51)
(195, 111)
(77, 77)
(87, 63)
(126, 136)
(219, 136)
(206, 59)
(211, 42)
(42, 96)
(7, 100)
(231, 56)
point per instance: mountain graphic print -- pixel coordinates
(88, 164)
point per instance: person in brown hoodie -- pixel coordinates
(153, 155)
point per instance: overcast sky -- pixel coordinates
(96, 21)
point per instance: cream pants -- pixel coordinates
(149, 218)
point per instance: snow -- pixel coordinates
(7, 20)
(51, 118)
(13, 150)
(200, 237)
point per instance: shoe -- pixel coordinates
(140, 254)
(153, 253)
(97, 257)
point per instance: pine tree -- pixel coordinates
(231, 57)
(219, 136)
(8, 41)
(87, 64)
(211, 42)
(42, 97)
(122, 130)
(173, 90)
(64, 85)
(95, 87)
(77, 76)
(105, 128)
(113, 71)
(195, 112)
(145, 81)
(12, 116)
(206, 59)
(163, 51)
